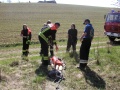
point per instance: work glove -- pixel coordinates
(28, 42)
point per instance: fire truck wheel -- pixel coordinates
(112, 39)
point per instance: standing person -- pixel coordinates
(51, 44)
(26, 35)
(46, 25)
(43, 37)
(86, 40)
(72, 38)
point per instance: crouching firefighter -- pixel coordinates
(44, 35)
(26, 34)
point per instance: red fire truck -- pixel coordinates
(112, 25)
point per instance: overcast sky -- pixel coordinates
(102, 3)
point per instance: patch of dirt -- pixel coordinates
(14, 63)
(79, 76)
(23, 75)
(3, 77)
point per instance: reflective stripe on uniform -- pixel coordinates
(45, 30)
(24, 50)
(54, 41)
(51, 49)
(43, 36)
(83, 61)
(45, 58)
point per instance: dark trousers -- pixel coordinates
(40, 46)
(71, 43)
(44, 47)
(25, 47)
(51, 48)
(84, 52)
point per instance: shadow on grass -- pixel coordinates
(41, 73)
(42, 70)
(93, 79)
(115, 43)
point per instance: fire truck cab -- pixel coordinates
(112, 25)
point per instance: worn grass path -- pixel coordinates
(34, 51)
(22, 76)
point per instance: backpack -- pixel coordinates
(92, 33)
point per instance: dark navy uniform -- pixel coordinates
(86, 44)
(44, 39)
(72, 38)
(50, 41)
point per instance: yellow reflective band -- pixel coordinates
(45, 58)
(43, 36)
(83, 61)
(45, 30)
(24, 50)
(39, 33)
(51, 49)
(54, 41)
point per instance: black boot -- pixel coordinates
(83, 66)
(45, 62)
(26, 53)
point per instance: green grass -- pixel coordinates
(13, 16)
(112, 57)
(109, 63)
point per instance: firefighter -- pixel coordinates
(44, 26)
(72, 38)
(26, 35)
(44, 40)
(86, 40)
(48, 24)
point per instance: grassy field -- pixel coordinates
(13, 16)
(17, 74)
